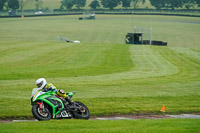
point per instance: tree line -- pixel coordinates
(18, 4)
(95, 4)
(111, 4)
(172, 4)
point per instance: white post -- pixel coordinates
(132, 20)
(150, 36)
(134, 30)
(142, 35)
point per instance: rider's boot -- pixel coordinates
(68, 99)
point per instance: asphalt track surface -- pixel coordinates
(182, 22)
(127, 117)
(131, 117)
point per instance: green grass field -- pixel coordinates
(109, 76)
(96, 126)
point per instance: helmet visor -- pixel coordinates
(39, 84)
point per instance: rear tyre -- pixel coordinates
(40, 114)
(83, 113)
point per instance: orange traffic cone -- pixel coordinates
(163, 109)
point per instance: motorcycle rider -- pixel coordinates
(43, 85)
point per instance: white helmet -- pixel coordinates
(41, 82)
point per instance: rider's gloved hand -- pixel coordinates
(47, 89)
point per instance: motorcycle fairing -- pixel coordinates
(50, 99)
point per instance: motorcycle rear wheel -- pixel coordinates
(80, 114)
(40, 114)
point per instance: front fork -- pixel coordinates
(41, 105)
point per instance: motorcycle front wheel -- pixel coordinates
(41, 114)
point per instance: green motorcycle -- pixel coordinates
(48, 105)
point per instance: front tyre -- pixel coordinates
(41, 114)
(82, 113)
